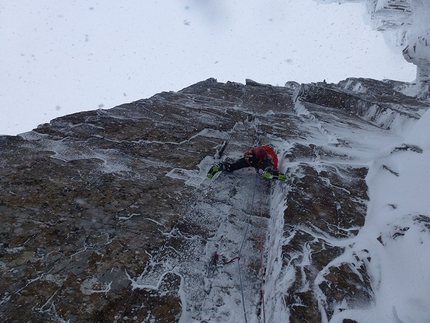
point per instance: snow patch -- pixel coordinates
(420, 134)
(93, 285)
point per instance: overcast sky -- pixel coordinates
(60, 57)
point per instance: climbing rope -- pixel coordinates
(241, 247)
(212, 268)
(261, 258)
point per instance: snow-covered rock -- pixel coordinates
(406, 26)
(107, 216)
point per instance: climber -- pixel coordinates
(261, 157)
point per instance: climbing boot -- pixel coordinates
(267, 175)
(275, 175)
(270, 172)
(214, 169)
(282, 177)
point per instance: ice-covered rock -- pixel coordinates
(107, 216)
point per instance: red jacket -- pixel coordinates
(262, 152)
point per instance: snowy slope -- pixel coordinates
(396, 231)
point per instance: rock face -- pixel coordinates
(107, 216)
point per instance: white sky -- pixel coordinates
(60, 57)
